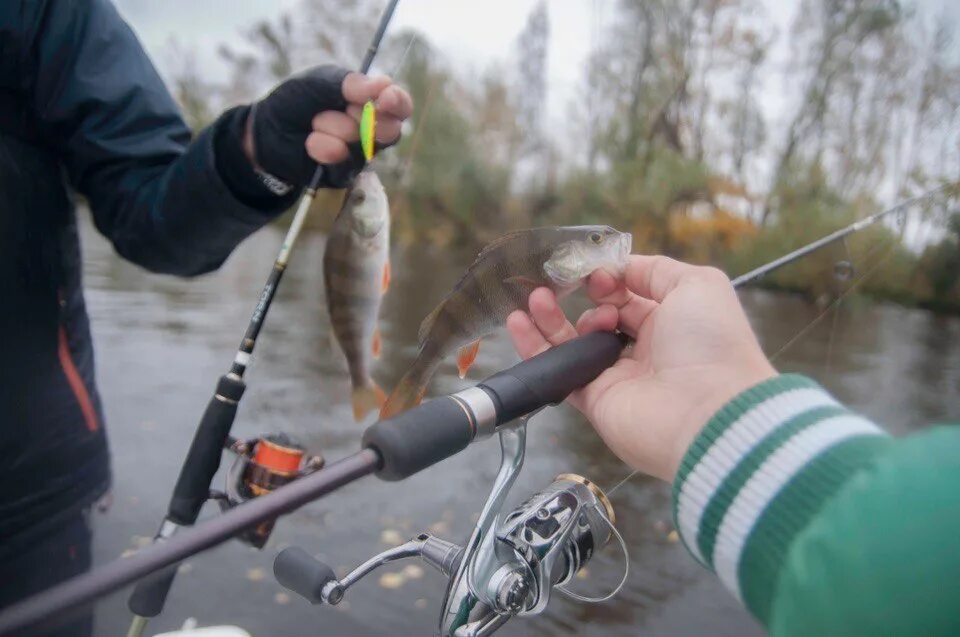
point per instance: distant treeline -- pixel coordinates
(669, 136)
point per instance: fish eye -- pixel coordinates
(358, 196)
(595, 237)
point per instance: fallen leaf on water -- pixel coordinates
(185, 568)
(583, 573)
(440, 528)
(672, 536)
(391, 536)
(255, 574)
(281, 598)
(392, 580)
(412, 571)
(421, 603)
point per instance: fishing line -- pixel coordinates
(853, 286)
(890, 249)
(403, 56)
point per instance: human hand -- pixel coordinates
(694, 351)
(313, 118)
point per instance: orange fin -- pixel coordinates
(365, 399)
(466, 356)
(387, 274)
(377, 345)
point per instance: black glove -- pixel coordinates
(283, 120)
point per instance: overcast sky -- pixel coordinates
(471, 34)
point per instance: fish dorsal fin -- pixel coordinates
(499, 242)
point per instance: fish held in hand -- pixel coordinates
(356, 273)
(498, 282)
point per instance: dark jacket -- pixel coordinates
(83, 110)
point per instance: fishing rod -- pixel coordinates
(399, 447)
(282, 457)
(395, 449)
(833, 237)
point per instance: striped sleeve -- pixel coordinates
(758, 472)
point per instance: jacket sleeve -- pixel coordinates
(819, 522)
(156, 195)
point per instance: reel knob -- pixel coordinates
(308, 577)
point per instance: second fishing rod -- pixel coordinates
(202, 461)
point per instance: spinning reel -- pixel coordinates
(510, 564)
(262, 465)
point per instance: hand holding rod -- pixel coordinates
(203, 458)
(391, 450)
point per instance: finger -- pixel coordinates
(603, 287)
(527, 339)
(395, 102)
(603, 318)
(654, 277)
(359, 88)
(549, 318)
(326, 149)
(387, 129)
(336, 124)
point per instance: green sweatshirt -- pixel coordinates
(821, 523)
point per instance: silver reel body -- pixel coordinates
(509, 566)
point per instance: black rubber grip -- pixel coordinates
(300, 572)
(548, 378)
(419, 437)
(150, 594)
(203, 459)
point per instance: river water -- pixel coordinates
(162, 343)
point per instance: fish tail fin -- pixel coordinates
(408, 393)
(367, 398)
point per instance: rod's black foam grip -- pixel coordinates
(419, 437)
(300, 572)
(548, 378)
(150, 594)
(203, 459)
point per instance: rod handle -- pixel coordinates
(549, 377)
(150, 594)
(300, 572)
(419, 437)
(203, 458)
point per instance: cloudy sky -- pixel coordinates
(471, 33)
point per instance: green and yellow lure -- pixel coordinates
(368, 129)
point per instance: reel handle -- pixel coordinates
(300, 572)
(316, 582)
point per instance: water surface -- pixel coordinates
(163, 342)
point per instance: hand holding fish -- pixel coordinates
(694, 351)
(314, 117)
(499, 282)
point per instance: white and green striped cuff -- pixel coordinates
(758, 472)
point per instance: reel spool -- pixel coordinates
(510, 564)
(262, 465)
